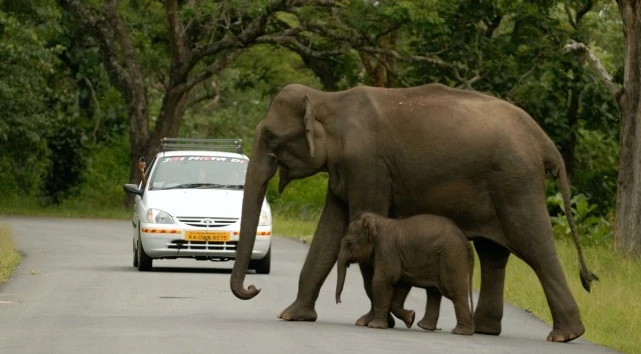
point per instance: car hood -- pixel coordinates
(196, 202)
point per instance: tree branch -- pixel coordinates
(298, 47)
(576, 19)
(568, 12)
(212, 94)
(218, 65)
(414, 58)
(96, 24)
(247, 35)
(595, 63)
(179, 53)
(97, 113)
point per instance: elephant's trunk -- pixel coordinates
(260, 170)
(340, 279)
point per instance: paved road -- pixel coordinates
(76, 292)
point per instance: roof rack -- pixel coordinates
(229, 145)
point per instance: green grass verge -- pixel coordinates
(9, 257)
(610, 312)
(293, 228)
(71, 210)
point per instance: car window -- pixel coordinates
(198, 172)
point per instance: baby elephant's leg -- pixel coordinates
(464, 322)
(432, 309)
(398, 300)
(382, 293)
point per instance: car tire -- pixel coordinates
(262, 266)
(135, 252)
(144, 261)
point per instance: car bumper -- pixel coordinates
(169, 242)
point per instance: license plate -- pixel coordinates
(207, 236)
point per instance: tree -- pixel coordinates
(627, 228)
(175, 64)
(36, 100)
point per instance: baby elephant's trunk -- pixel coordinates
(340, 279)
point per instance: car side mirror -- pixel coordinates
(133, 189)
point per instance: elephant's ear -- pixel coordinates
(309, 123)
(369, 225)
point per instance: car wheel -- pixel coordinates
(144, 261)
(135, 252)
(262, 266)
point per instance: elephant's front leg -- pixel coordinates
(321, 257)
(367, 271)
(382, 292)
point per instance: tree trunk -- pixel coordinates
(147, 144)
(627, 230)
(570, 144)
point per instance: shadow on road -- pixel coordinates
(190, 270)
(162, 269)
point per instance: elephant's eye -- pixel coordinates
(270, 139)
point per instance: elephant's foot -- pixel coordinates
(463, 330)
(566, 334)
(365, 319)
(377, 323)
(409, 318)
(369, 317)
(296, 312)
(428, 324)
(486, 326)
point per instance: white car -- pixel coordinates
(191, 205)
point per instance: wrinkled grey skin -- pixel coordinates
(475, 159)
(425, 251)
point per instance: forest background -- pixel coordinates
(86, 87)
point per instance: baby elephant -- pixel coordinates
(425, 251)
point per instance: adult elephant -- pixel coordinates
(473, 158)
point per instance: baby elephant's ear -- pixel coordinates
(369, 226)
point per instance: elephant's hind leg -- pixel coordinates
(489, 310)
(398, 300)
(432, 309)
(320, 259)
(566, 321)
(530, 237)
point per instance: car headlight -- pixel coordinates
(265, 219)
(156, 216)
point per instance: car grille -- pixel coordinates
(206, 221)
(203, 245)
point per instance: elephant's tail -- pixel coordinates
(470, 255)
(558, 170)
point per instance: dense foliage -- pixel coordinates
(65, 126)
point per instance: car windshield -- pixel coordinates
(175, 172)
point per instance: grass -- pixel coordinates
(293, 228)
(9, 257)
(610, 312)
(76, 210)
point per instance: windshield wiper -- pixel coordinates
(203, 186)
(196, 185)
